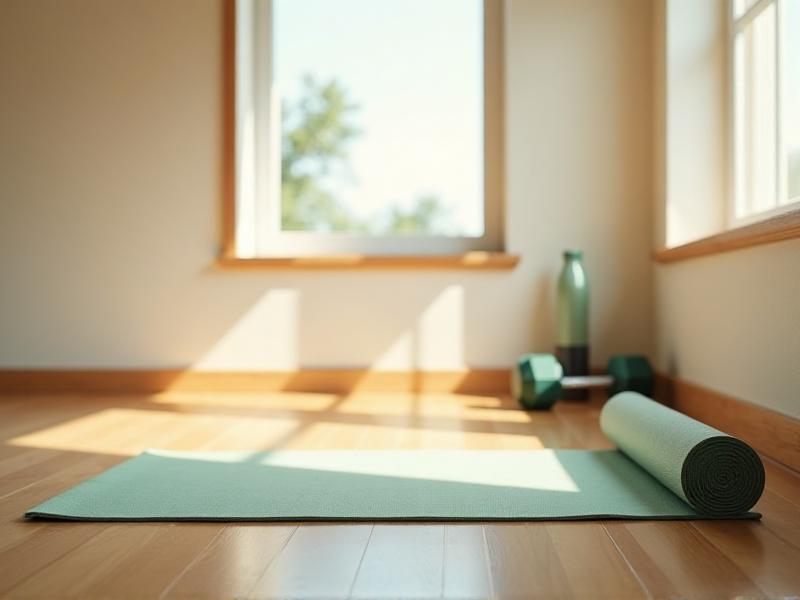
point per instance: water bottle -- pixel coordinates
(572, 343)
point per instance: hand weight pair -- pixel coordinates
(538, 379)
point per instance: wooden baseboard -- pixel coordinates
(771, 433)
(473, 381)
(152, 381)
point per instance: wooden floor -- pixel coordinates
(51, 443)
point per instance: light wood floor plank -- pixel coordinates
(764, 558)
(592, 563)
(231, 566)
(24, 459)
(466, 565)
(581, 421)
(673, 559)
(320, 561)
(44, 417)
(402, 561)
(780, 516)
(149, 570)
(76, 572)
(783, 481)
(524, 563)
(43, 547)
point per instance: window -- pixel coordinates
(766, 108)
(367, 126)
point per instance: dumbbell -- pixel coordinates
(538, 379)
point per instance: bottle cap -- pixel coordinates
(573, 254)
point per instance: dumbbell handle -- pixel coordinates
(586, 381)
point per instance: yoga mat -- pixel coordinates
(668, 466)
(713, 472)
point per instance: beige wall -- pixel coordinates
(729, 322)
(110, 179)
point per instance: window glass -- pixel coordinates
(756, 115)
(742, 6)
(791, 103)
(381, 115)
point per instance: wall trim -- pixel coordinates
(147, 381)
(773, 434)
(785, 226)
(473, 260)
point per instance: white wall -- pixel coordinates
(731, 321)
(110, 136)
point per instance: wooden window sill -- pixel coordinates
(486, 261)
(781, 227)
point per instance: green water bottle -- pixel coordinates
(572, 347)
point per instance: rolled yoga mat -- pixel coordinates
(668, 466)
(713, 472)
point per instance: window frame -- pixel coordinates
(783, 204)
(243, 183)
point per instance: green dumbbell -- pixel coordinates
(538, 379)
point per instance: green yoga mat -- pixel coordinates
(668, 466)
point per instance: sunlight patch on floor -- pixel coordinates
(128, 432)
(463, 407)
(282, 401)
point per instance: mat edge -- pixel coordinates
(40, 516)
